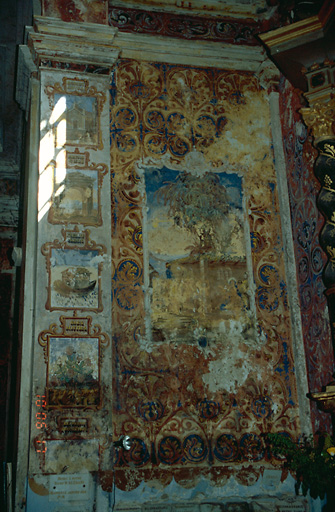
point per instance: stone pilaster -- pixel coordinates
(68, 158)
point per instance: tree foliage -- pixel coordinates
(311, 460)
(198, 204)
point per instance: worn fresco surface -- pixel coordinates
(194, 398)
(197, 259)
(73, 279)
(73, 364)
(70, 402)
(185, 26)
(307, 223)
(93, 11)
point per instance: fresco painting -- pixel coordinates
(75, 198)
(197, 256)
(74, 279)
(77, 122)
(73, 371)
(203, 359)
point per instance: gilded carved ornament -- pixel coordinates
(328, 181)
(320, 118)
(331, 253)
(330, 150)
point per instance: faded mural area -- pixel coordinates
(197, 258)
(201, 326)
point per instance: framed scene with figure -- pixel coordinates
(199, 267)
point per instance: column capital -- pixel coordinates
(54, 42)
(320, 119)
(268, 75)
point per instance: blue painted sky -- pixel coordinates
(73, 257)
(86, 102)
(155, 178)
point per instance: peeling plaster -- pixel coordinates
(246, 140)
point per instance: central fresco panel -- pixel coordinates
(203, 363)
(197, 269)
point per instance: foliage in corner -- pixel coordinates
(311, 460)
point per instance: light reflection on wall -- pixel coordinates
(49, 154)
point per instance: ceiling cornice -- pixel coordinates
(196, 53)
(88, 43)
(79, 43)
(301, 32)
(297, 47)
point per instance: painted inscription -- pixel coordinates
(78, 455)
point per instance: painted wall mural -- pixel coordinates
(197, 270)
(186, 27)
(77, 107)
(203, 360)
(74, 272)
(194, 360)
(71, 399)
(73, 363)
(307, 223)
(77, 191)
(93, 11)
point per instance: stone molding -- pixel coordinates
(301, 32)
(100, 45)
(199, 53)
(78, 43)
(25, 67)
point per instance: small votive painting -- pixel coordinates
(77, 120)
(73, 372)
(75, 198)
(74, 279)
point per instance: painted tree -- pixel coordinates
(198, 203)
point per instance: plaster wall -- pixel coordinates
(196, 401)
(161, 307)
